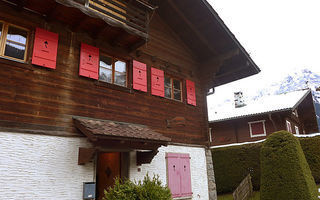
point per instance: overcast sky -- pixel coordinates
(280, 36)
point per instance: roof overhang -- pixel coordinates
(284, 109)
(120, 135)
(222, 58)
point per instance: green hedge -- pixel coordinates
(311, 149)
(232, 164)
(285, 173)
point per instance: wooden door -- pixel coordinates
(108, 168)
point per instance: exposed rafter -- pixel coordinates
(191, 26)
(222, 57)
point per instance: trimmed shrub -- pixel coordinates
(285, 173)
(121, 190)
(152, 189)
(232, 164)
(311, 149)
(143, 190)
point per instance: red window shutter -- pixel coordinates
(89, 61)
(257, 128)
(186, 189)
(191, 93)
(45, 48)
(139, 76)
(157, 82)
(174, 171)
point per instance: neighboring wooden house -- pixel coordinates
(294, 112)
(95, 89)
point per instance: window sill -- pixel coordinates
(261, 135)
(183, 198)
(17, 63)
(172, 100)
(112, 86)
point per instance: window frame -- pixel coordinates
(264, 128)
(113, 69)
(287, 127)
(3, 39)
(172, 88)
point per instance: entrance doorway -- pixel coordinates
(108, 168)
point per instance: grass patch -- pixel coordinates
(256, 196)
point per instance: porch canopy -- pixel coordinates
(120, 135)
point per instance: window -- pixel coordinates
(13, 41)
(297, 130)
(179, 174)
(172, 88)
(288, 124)
(257, 128)
(113, 71)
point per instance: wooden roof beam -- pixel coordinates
(236, 70)
(213, 65)
(76, 26)
(50, 13)
(191, 26)
(222, 57)
(21, 4)
(115, 41)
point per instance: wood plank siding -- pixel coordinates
(33, 97)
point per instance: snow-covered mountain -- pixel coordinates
(294, 81)
(301, 80)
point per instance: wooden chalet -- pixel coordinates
(293, 111)
(95, 89)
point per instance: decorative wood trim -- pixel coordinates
(86, 155)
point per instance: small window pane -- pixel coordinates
(14, 50)
(177, 95)
(106, 62)
(167, 82)
(120, 78)
(167, 92)
(17, 35)
(105, 75)
(176, 84)
(15, 43)
(120, 66)
(257, 128)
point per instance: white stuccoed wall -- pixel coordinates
(42, 167)
(158, 166)
(46, 167)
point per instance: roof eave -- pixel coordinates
(230, 34)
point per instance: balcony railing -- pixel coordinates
(131, 14)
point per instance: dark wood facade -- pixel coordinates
(238, 131)
(35, 99)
